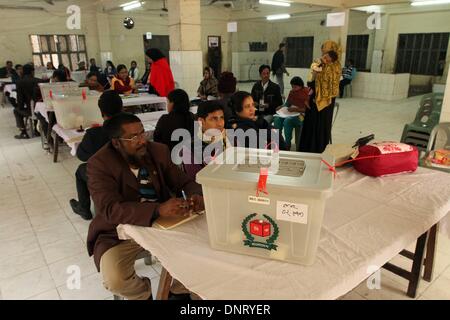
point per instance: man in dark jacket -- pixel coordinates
(278, 67)
(27, 92)
(266, 94)
(7, 71)
(131, 181)
(95, 138)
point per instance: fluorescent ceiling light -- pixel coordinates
(275, 3)
(429, 2)
(278, 16)
(128, 3)
(131, 5)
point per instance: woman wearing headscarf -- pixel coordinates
(324, 82)
(208, 86)
(161, 77)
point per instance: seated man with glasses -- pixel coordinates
(131, 180)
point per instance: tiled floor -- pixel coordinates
(40, 237)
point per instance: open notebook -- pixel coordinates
(167, 223)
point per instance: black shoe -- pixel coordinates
(179, 296)
(36, 133)
(22, 135)
(85, 214)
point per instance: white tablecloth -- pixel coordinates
(9, 88)
(41, 108)
(70, 136)
(73, 138)
(367, 222)
(145, 98)
(5, 80)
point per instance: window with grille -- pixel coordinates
(299, 52)
(66, 49)
(357, 46)
(257, 46)
(422, 53)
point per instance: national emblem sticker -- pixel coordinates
(260, 233)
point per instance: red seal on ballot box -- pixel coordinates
(260, 228)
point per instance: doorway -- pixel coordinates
(161, 42)
(215, 54)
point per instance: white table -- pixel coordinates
(144, 98)
(5, 80)
(42, 108)
(9, 88)
(367, 222)
(73, 138)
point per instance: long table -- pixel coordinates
(367, 222)
(73, 137)
(143, 98)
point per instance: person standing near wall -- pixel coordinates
(161, 77)
(324, 82)
(278, 67)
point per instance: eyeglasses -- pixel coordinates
(144, 135)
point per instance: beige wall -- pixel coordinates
(413, 23)
(128, 45)
(17, 25)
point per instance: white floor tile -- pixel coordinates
(63, 249)
(27, 284)
(91, 289)
(390, 290)
(48, 295)
(11, 266)
(18, 247)
(56, 233)
(438, 290)
(60, 272)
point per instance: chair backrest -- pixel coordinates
(430, 110)
(440, 137)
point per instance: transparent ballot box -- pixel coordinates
(50, 90)
(75, 111)
(283, 224)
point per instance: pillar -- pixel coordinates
(185, 48)
(339, 34)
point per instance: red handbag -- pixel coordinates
(384, 158)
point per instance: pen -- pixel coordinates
(184, 195)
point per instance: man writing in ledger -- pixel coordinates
(129, 180)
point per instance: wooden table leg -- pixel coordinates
(417, 265)
(431, 253)
(164, 285)
(55, 147)
(417, 257)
